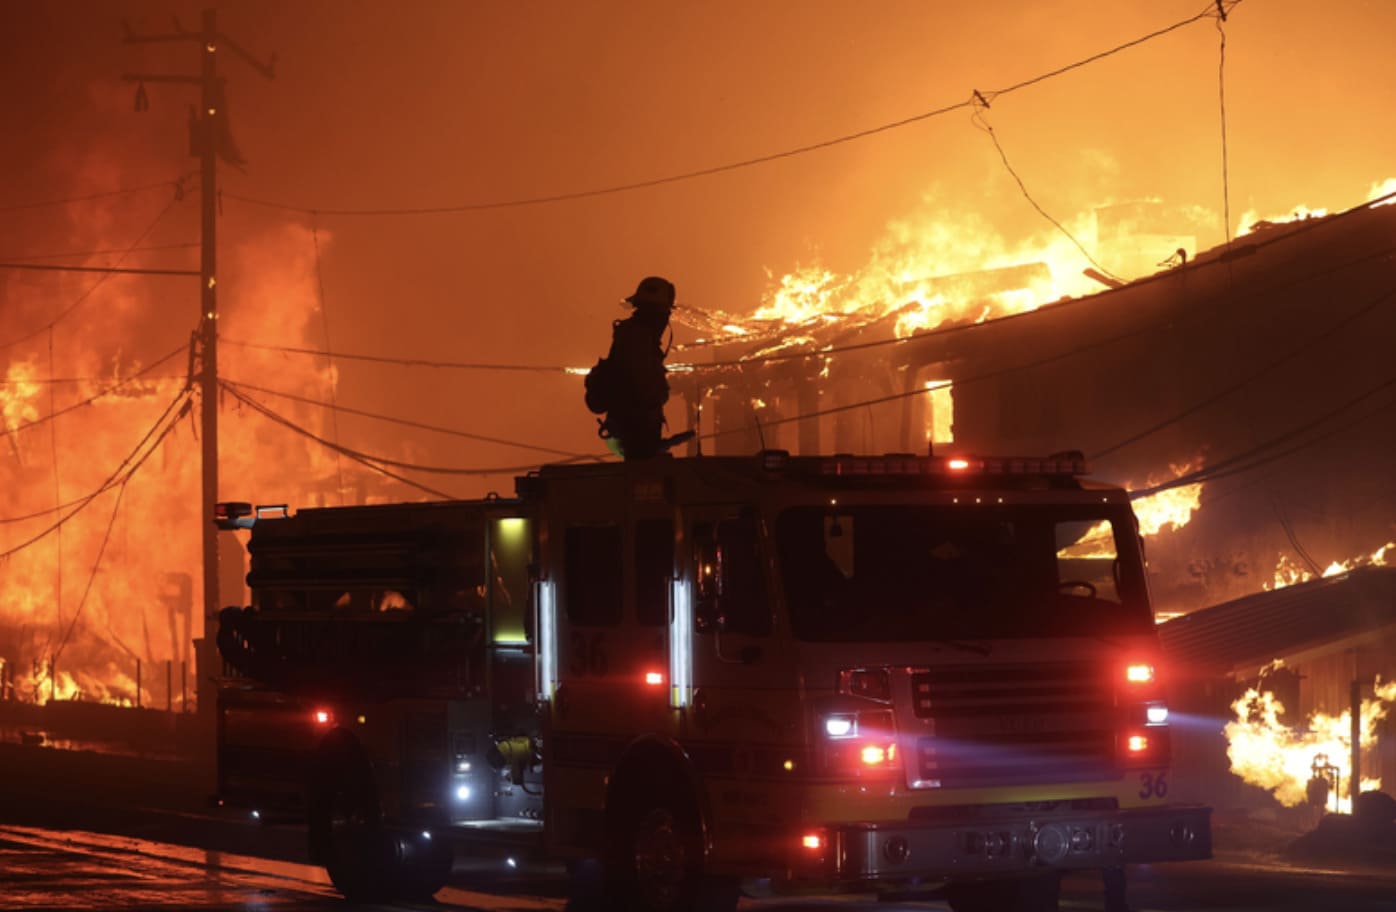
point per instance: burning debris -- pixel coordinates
(1284, 760)
(1289, 572)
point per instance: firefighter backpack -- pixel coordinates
(600, 386)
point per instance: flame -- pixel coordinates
(1383, 188)
(1252, 221)
(1288, 572)
(940, 407)
(1265, 752)
(938, 266)
(112, 588)
(1171, 509)
(18, 395)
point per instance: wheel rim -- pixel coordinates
(661, 860)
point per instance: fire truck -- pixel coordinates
(700, 676)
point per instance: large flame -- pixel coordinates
(939, 266)
(117, 589)
(1169, 509)
(1265, 752)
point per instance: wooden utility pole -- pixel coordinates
(208, 140)
(208, 345)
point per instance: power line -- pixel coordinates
(481, 438)
(57, 381)
(378, 462)
(1250, 458)
(135, 459)
(1213, 497)
(1221, 104)
(1308, 343)
(103, 194)
(111, 270)
(1210, 11)
(95, 285)
(99, 395)
(92, 576)
(358, 457)
(980, 105)
(963, 381)
(72, 254)
(699, 367)
(403, 362)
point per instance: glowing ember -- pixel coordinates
(1288, 571)
(1280, 759)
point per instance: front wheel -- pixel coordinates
(657, 865)
(366, 861)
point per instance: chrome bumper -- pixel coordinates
(1092, 839)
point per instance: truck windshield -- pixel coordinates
(934, 572)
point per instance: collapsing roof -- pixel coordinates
(1243, 635)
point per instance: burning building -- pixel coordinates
(1247, 387)
(1289, 672)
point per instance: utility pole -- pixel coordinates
(208, 140)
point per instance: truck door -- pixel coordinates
(738, 710)
(606, 601)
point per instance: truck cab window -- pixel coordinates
(1088, 564)
(592, 583)
(732, 582)
(654, 568)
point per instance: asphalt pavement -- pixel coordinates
(83, 831)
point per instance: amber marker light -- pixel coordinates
(1138, 744)
(812, 841)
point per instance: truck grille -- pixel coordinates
(1000, 725)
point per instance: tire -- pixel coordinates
(366, 861)
(1038, 893)
(425, 867)
(655, 863)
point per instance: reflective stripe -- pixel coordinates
(546, 600)
(680, 643)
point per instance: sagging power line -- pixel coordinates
(1211, 11)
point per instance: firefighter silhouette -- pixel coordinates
(629, 384)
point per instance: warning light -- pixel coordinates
(1138, 744)
(812, 841)
(874, 755)
(322, 717)
(958, 465)
(1139, 674)
(788, 765)
(654, 678)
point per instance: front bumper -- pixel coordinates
(920, 851)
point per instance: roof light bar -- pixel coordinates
(899, 464)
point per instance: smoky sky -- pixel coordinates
(380, 104)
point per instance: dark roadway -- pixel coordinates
(80, 832)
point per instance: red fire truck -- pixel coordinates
(897, 674)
